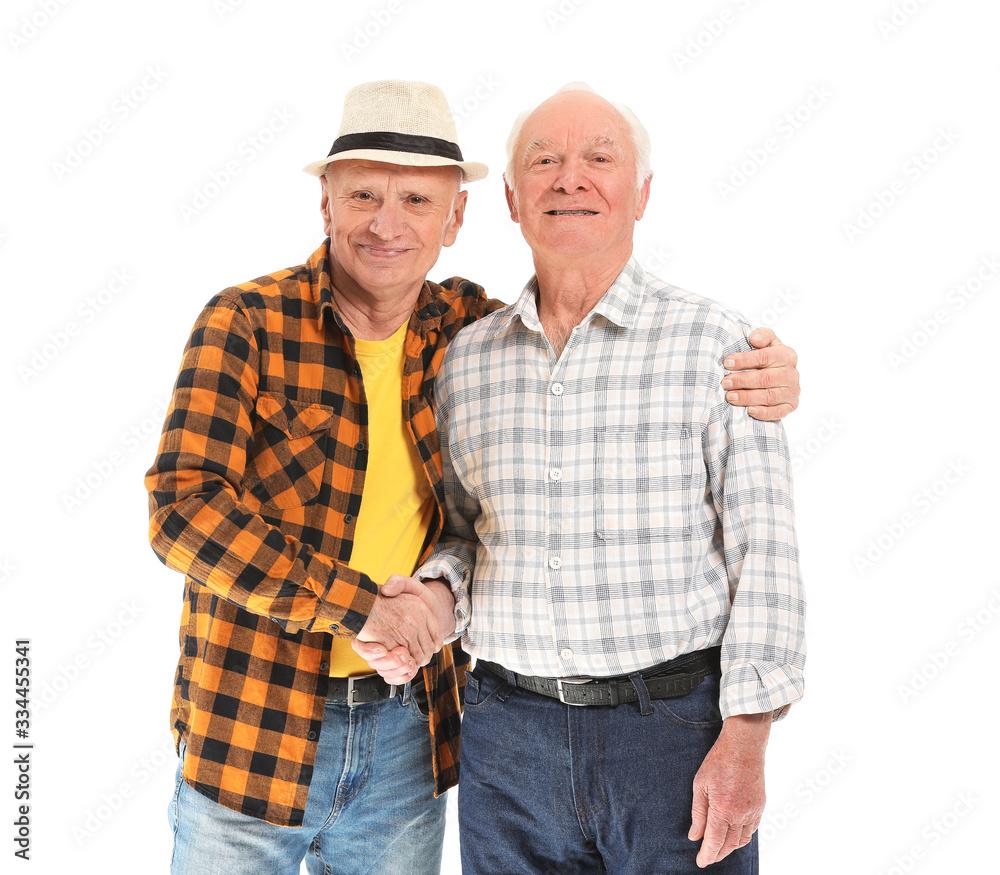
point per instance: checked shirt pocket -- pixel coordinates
(642, 478)
(288, 455)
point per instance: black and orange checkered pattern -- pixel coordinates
(254, 497)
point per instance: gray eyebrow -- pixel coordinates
(534, 146)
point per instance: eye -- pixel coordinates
(417, 199)
(363, 195)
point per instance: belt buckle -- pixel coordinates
(351, 692)
(559, 690)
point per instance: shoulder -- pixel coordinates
(711, 322)
(268, 291)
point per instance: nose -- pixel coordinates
(572, 176)
(387, 222)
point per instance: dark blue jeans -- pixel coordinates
(550, 788)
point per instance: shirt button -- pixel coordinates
(324, 666)
(360, 447)
(334, 627)
(311, 736)
(557, 388)
(555, 474)
(566, 654)
(555, 563)
(349, 519)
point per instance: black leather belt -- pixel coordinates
(667, 681)
(360, 691)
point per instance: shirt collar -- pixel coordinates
(619, 304)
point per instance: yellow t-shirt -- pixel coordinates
(396, 505)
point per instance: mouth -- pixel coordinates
(570, 213)
(383, 251)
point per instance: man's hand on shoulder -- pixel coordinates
(767, 381)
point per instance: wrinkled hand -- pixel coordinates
(768, 381)
(390, 651)
(729, 788)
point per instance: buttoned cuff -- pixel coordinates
(443, 568)
(344, 606)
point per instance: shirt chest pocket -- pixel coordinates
(642, 483)
(288, 455)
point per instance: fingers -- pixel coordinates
(396, 666)
(721, 839)
(770, 414)
(762, 397)
(769, 388)
(769, 357)
(716, 834)
(699, 815)
(400, 679)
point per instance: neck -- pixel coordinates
(568, 291)
(370, 317)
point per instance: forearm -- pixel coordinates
(218, 542)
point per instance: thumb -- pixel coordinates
(761, 337)
(395, 585)
(368, 649)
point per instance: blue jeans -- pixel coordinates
(371, 806)
(550, 788)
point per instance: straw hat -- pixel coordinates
(398, 122)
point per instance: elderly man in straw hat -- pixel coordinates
(298, 469)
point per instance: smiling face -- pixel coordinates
(387, 224)
(574, 190)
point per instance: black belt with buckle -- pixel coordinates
(361, 690)
(667, 681)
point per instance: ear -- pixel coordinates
(643, 198)
(457, 218)
(324, 203)
(511, 201)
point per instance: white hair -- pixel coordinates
(640, 137)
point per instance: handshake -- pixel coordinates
(408, 624)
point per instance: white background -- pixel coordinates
(889, 764)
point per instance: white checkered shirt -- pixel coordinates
(609, 510)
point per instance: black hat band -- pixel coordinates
(395, 142)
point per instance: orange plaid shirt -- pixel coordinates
(254, 496)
